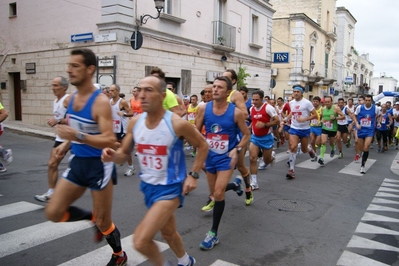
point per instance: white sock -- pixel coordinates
(183, 260)
(50, 191)
(131, 166)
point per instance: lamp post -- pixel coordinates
(159, 5)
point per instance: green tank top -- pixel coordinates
(326, 116)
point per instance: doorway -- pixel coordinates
(16, 92)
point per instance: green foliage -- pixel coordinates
(242, 76)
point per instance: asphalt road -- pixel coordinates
(306, 221)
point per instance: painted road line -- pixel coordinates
(386, 195)
(386, 184)
(391, 180)
(354, 168)
(372, 229)
(361, 242)
(384, 201)
(223, 263)
(373, 207)
(32, 236)
(352, 259)
(378, 218)
(18, 208)
(386, 189)
(102, 255)
(308, 164)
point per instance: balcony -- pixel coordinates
(332, 33)
(224, 36)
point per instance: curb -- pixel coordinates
(29, 131)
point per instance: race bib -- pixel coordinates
(314, 121)
(296, 115)
(365, 122)
(218, 143)
(117, 126)
(191, 117)
(328, 124)
(152, 157)
(383, 120)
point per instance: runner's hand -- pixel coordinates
(107, 155)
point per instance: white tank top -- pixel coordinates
(160, 152)
(116, 119)
(59, 112)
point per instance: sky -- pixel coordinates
(377, 33)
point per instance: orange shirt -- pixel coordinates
(136, 106)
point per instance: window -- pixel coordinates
(326, 65)
(354, 79)
(380, 89)
(13, 10)
(168, 9)
(254, 29)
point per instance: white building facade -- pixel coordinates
(381, 84)
(192, 42)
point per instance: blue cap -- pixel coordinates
(297, 88)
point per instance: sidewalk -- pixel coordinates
(27, 129)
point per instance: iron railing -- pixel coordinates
(224, 34)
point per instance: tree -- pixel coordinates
(242, 76)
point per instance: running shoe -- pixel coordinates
(129, 171)
(250, 199)
(341, 155)
(357, 157)
(7, 156)
(362, 170)
(117, 260)
(332, 153)
(348, 144)
(98, 235)
(191, 263)
(311, 152)
(44, 197)
(262, 165)
(193, 154)
(209, 205)
(238, 181)
(2, 169)
(314, 159)
(210, 241)
(290, 175)
(321, 161)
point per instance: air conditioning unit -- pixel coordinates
(274, 72)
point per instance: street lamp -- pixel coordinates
(159, 5)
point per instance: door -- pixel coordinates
(16, 77)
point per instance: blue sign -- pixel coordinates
(82, 37)
(332, 90)
(281, 57)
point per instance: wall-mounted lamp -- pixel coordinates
(256, 75)
(312, 64)
(159, 5)
(223, 58)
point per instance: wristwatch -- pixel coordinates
(80, 136)
(238, 149)
(194, 174)
(59, 121)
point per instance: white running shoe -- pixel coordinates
(362, 170)
(129, 171)
(254, 183)
(262, 165)
(7, 156)
(274, 158)
(44, 197)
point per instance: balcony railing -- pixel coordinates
(224, 36)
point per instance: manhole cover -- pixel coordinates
(291, 205)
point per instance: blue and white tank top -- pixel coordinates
(366, 118)
(83, 121)
(221, 130)
(160, 152)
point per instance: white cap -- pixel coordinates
(397, 103)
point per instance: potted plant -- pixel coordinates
(221, 39)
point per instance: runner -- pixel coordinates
(302, 111)
(6, 154)
(191, 113)
(384, 123)
(351, 108)
(163, 174)
(329, 115)
(90, 128)
(366, 117)
(395, 118)
(120, 117)
(343, 132)
(222, 121)
(264, 118)
(315, 127)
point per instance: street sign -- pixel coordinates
(136, 41)
(281, 57)
(82, 37)
(107, 37)
(349, 80)
(106, 62)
